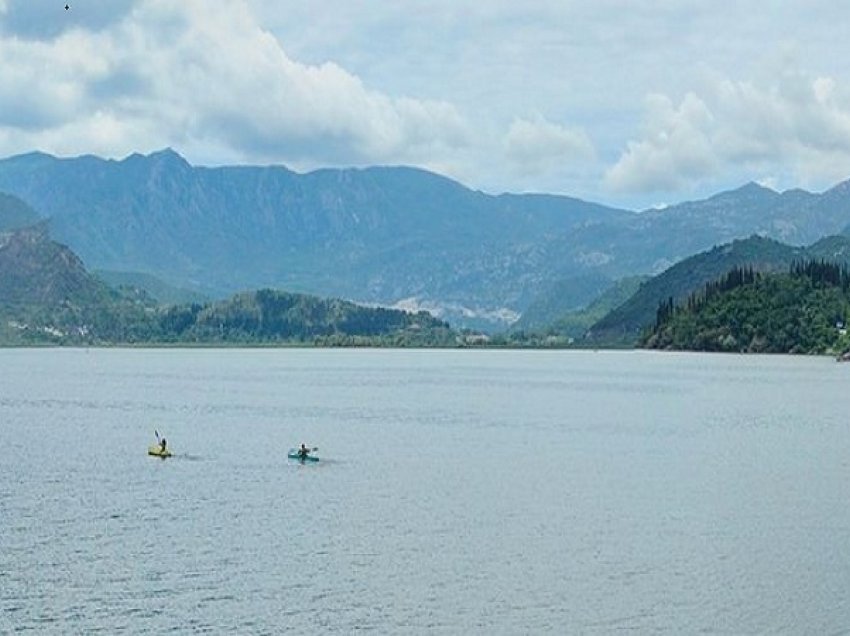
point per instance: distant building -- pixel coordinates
(476, 339)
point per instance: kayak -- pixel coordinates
(157, 451)
(294, 454)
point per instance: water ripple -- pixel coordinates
(457, 492)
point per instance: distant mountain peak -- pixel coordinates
(751, 190)
(165, 161)
(754, 186)
(30, 158)
(166, 155)
(841, 189)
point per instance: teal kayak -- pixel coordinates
(294, 454)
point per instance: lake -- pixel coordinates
(492, 492)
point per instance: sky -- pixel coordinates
(630, 103)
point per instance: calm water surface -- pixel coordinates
(458, 492)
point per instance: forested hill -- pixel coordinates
(804, 310)
(48, 297)
(269, 316)
(625, 323)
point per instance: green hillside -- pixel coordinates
(269, 316)
(802, 311)
(575, 324)
(625, 323)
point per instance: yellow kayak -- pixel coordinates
(157, 451)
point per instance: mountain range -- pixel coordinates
(391, 236)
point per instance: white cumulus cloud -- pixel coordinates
(676, 147)
(797, 125)
(182, 74)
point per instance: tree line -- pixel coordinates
(804, 310)
(261, 317)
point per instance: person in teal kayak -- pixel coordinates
(303, 452)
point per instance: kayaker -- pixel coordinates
(162, 444)
(303, 451)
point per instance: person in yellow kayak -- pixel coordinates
(162, 445)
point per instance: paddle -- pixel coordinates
(158, 439)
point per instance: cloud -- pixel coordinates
(676, 147)
(43, 84)
(797, 125)
(184, 75)
(242, 88)
(540, 146)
